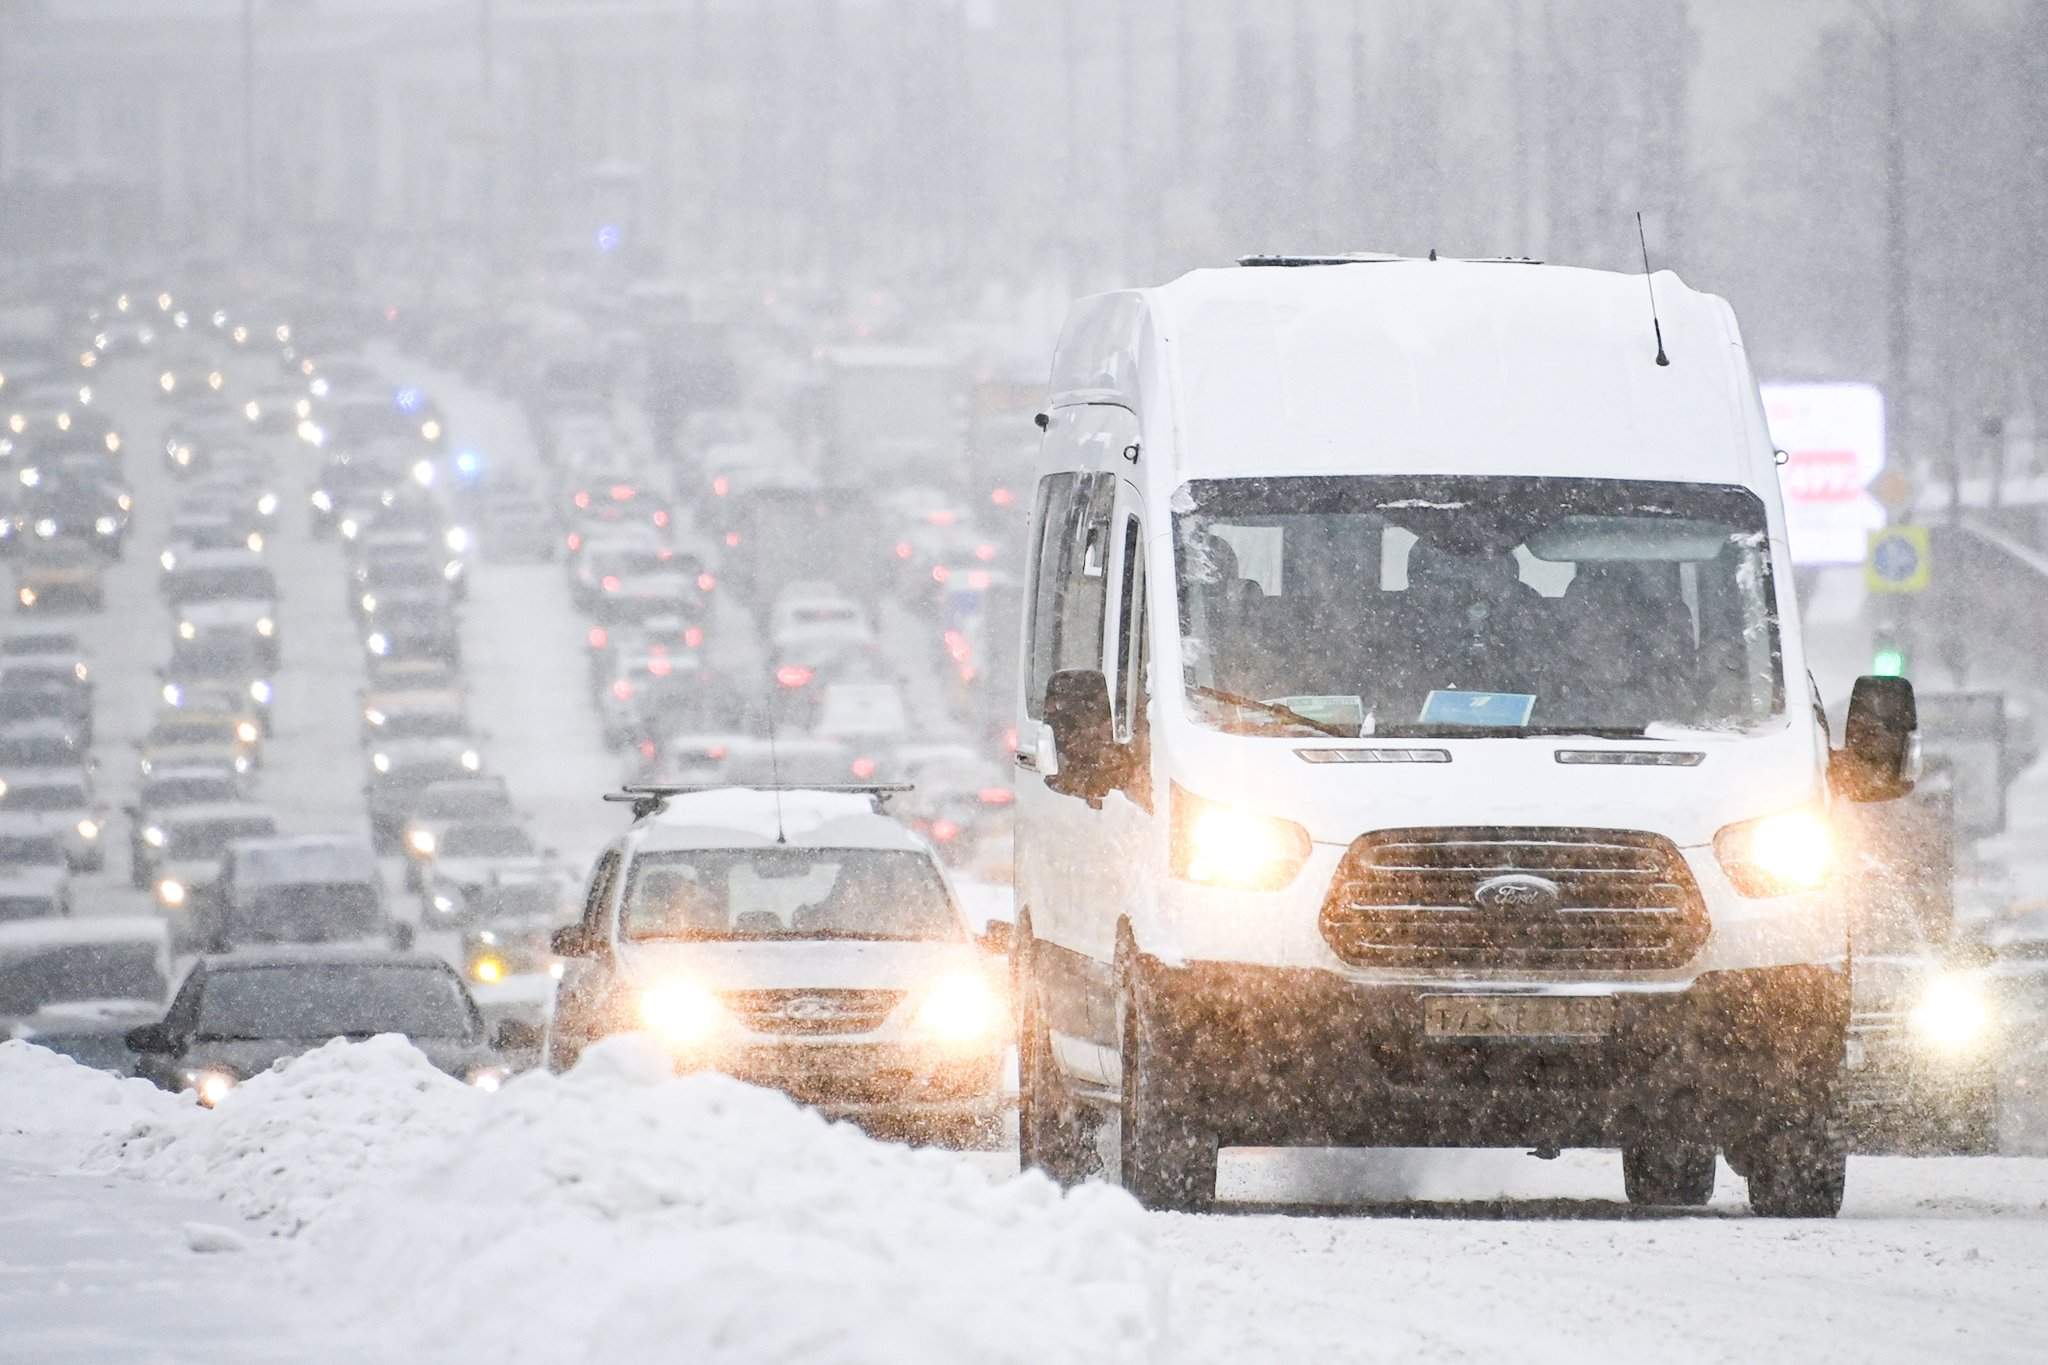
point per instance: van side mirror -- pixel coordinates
(1880, 755)
(1087, 761)
(150, 1038)
(569, 941)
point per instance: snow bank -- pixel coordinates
(619, 1213)
(52, 1102)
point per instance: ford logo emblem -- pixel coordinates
(1518, 893)
(810, 1008)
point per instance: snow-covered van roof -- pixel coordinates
(304, 859)
(1404, 366)
(742, 817)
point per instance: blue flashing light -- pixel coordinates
(410, 399)
(609, 237)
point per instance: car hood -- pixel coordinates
(798, 964)
(251, 1057)
(30, 879)
(470, 872)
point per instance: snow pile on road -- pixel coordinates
(52, 1100)
(619, 1213)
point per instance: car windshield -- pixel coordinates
(36, 751)
(423, 725)
(182, 731)
(194, 585)
(187, 791)
(307, 912)
(486, 841)
(787, 893)
(50, 974)
(47, 797)
(462, 802)
(33, 849)
(210, 838)
(1448, 606)
(306, 1002)
(34, 705)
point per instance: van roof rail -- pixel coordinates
(651, 798)
(1372, 258)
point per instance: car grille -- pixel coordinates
(1624, 901)
(812, 1011)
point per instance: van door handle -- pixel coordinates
(1028, 761)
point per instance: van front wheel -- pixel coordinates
(1168, 1158)
(1051, 1134)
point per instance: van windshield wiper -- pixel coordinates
(1273, 708)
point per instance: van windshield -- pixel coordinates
(1448, 606)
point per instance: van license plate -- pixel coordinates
(1518, 1016)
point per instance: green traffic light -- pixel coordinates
(1889, 662)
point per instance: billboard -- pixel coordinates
(1833, 437)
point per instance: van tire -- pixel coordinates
(1668, 1172)
(1051, 1136)
(1168, 1160)
(1799, 1173)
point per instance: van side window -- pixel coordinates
(600, 893)
(1130, 633)
(1069, 587)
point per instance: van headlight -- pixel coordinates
(1952, 1013)
(1780, 854)
(681, 1013)
(1221, 845)
(960, 1008)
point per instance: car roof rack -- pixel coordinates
(651, 798)
(1372, 258)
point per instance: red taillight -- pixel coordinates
(732, 538)
(943, 517)
(647, 750)
(903, 549)
(659, 665)
(979, 580)
(610, 582)
(997, 796)
(622, 689)
(720, 486)
(661, 516)
(863, 768)
(1002, 497)
(957, 646)
(984, 553)
(622, 492)
(706, 582)
(391, 314)
(598, 637)
(716, 753)
(945, 831)
(664, 554)
(582, 498)
(793, 675)
(694, 636)
(575, 542)
(940, 573)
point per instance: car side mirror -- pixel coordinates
(150, 1038)
(1880, 755)
(1086, 762)
(998, 937)
(402, 936)
(517, 1035)
(569, 941)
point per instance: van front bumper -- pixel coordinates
(887, 1084)
(1284, 1056)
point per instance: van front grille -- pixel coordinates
(1514, 899)
(812, 1011)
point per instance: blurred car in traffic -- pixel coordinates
(77, 985)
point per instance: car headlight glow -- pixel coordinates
(266, 505)
(323, 500)
(423, 473)
(265, 627)
(187, 631)
(488, 969)
(242, 763)
(1952, 1013)
(105, 525)
(422, 842)
(259, 692)
(27, 596)
(255, 542)
(168, 560)
(1221, 845)
(369, 602)
(88, 829)
(456, 539)
(212, 1085)
(153, 836)
(349, 527)
(381, 762)
(247, 732)
(378, 644)
(1780, 854)
(173, 695)
(472, 760)
(252, 410)
(681, 1013)
(430, 429)
(171, 891)
(488, 1078)
(960, 1008)
(46, 527)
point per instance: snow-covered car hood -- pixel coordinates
(796, 964)
(81, 1016)
(468, 873)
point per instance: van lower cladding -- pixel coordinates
(1416, 744)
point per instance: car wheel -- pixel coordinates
(1798, 1173)
(1668, 1172)
(1053, 1132)
(1167, 1159)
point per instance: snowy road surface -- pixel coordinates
(617, 1215)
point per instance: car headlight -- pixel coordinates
(105, 525)
(430, 429)
(349, 527)
(153, 836)
(423, 473)
(187, 631)
(456, 539)
(255, 542)
(171, 891)
(252, 410)
(487, 1078)
(422, 842)
(241, 763)
(681, 1013)
(1221, 845)
(378, 644)
(247, 732)
(168, 560)
(266, 506)
(88, 829)
(1780, 854)
(323, 500)
(472, 760)
(211, 1085)
(960, 1008)
(369, 602)
(173, 695)
(1952, 1013)
(445, 905)
(46, 527)
(266, 627)
(381, 762)
(372, 716)
(183, 455)
(27, 597)
(488, 969)
(259, 692)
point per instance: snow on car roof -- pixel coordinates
(1455, 367)
(41, 933)
(304, 858)
(744, 817)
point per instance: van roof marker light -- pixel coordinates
(1632, 758)
(1373, 755)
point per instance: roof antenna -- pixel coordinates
(775, 771)
(1657, 326)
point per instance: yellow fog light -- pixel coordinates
(488, 970)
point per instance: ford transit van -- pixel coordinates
(1416, 743)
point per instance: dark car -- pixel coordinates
(235, 1017)
(77, 985)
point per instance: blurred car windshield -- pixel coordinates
(486, 841)
(37, 850)
(210, 838)
(46, 797)
(305, 1002)
(787, 893)
(35, 978)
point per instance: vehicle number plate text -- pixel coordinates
(1518, 1016)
